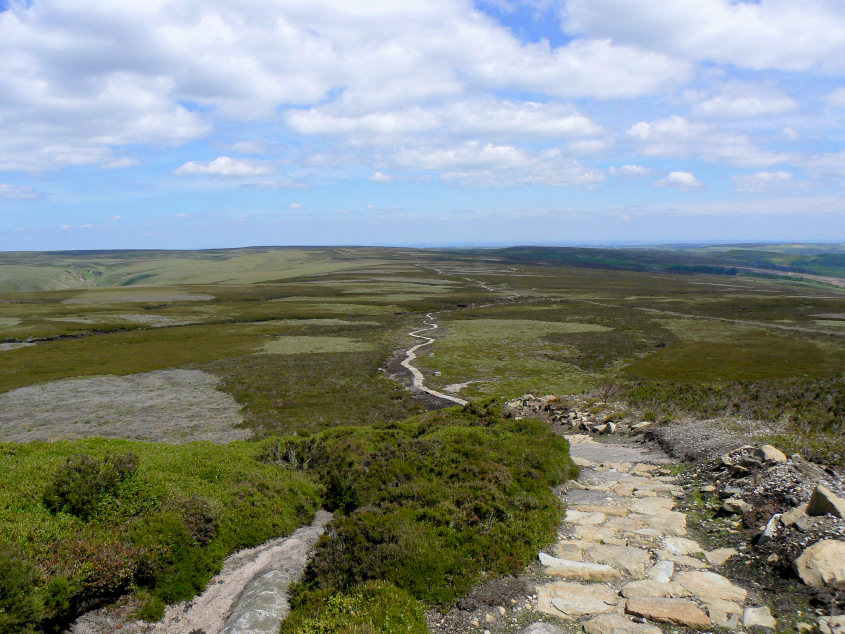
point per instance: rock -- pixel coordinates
(671, 522)
(502, 611)
(599, 429)
(720, 555)
(573, 551)
(585, 519)
(628, 558)
(642, 426)
(662, 571)
(489, 618)
(611, 428)
(767, 453)
(708, 586)
(648, 589)
(708, 488)
(724, 613)
(770, 531)
(832, 624)
(574, 599)
(541, 628)
(682, 560)
(678, 611)
(681, 546)
(732, 491)
(805, 628)
(793, 515)
(826, 502)
(583, 462)
(736, 506)
(727, 460)
(822, 564)
(759, 617)
(616, 624)
(805, 523)
(585, 571)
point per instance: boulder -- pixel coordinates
(725, 614)
(826, 502)
(662, 571)
(770, 531)
(541, 628)
(678, 611)
(681, 546)
(575, 599)
(822, 564)
(736, 506)
(759, 617)
(650, 589)
(627, 558)
(832, 624)
(708, 586)
(767, 453)
(720, 555)
(585, 571)
(616, 624)
(793, 515)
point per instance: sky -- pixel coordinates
(187, 124)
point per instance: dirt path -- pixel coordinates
(410, 355)
(624, 563)
(248, 596)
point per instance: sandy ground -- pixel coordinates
(249, 596)
(13, 346)
(165, 406)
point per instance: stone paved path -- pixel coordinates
(624, 561)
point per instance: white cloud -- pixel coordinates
(16, 192)
(489, 165)
(678, 137)
(380, 177)
(836, 98)
(249, 147)
(769, 34)
(224, 166)
(761, 181)
(680, 180)
(630, 170)
(737, 107)
(121, 163)
(295, 206)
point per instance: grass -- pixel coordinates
(292, 344)
(142, 534)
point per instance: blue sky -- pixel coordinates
(161, 124)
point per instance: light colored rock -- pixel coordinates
(602, 534)
(768, 453)
(759, 617)
(585, 571)
(616, 624)
(643, 468)
(671, 522)
(709, 586)
(832, 624)
(770, 531)
(650, 506)
(720, 555)
(610, 509)
(565, 599)
(647, 589)
(585, 519)
(724, 613)
(541, 628)
(823, 563)
(644, 493)
(573, 551)
(736, 506)
(624, 523)
(793, 515)
(682, 546)
(626, 558)
(642, 426)
(662, 571)
(678, 611)
(583, 462)
(622, 467)
(681, 560)
(805, 628)
(826, 502)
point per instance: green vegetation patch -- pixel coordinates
(375, 607)
(511, 356)
(430, 504)
(83, 522)
(293, 344)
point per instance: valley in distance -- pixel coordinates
(349, 439)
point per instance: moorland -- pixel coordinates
(162, 410)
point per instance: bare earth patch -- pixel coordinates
(166, 406)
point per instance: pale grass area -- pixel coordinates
(136, 295)
(303, 344)
(166, 406)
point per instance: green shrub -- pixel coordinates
(430, 503)
(19, 604)
(78, 485)
(372, 608)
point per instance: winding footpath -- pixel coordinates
(411, 354)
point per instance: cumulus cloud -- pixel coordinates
(630, 170)
(17, 192)
(679, 180)
(836, 98)
(677, 136)
(737, 107)
(762, 181)
(380, 177)
(224, 166)
(489, 165)
(770, 34)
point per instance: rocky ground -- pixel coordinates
(744, 538)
